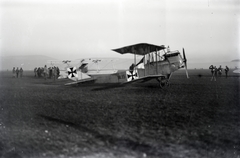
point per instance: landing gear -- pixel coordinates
(163, 82)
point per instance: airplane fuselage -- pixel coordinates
(169, 64)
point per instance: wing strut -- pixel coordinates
(135, 60)
(156, 63)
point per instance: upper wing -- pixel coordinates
(144, 79)
(98, 66)
(139, 49)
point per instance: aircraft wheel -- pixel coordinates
(167, 83)
(162, 84)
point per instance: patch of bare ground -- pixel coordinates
(193, 117)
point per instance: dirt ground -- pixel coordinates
(193, 117)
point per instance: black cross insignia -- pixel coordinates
(132, 75)
(72, 72)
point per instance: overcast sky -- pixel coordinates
(68, 29)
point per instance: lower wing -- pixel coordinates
(80, 81)
(145, 79)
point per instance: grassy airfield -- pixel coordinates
(192, 118)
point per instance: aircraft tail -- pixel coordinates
(80, 76)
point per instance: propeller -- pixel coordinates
(185, 62)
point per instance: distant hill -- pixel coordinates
(31, 61)
(205, 65)
(28, 62)
(236, 60)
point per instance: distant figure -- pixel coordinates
(35, 72)
(14, 72)
(226, 71)
(54, 73)
(17, 72)
(45, 72)
(131, 68)
(50, 72)
(212, 69)
(220, 71)
(214, 72)
(58, 72)
(39, 72)
(21, 72)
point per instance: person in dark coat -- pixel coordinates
(220, 71)
(226, 71)
(14, 72)
(211, 67)
(21, 72)
(214, 71)
(17, 72)
(131, 68)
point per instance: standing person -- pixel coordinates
(131, 68)
(220, 71)
(45, 72)
(214, 73)
(21, 72)
(39, 72)
(54, 73)
(50, 72)
(58, 72)
(17, 72)
(35, 72)
(14, 72)
(226, 71)
(212, 69)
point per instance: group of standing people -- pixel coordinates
(51, 72)
(218, 71)
(17, 72)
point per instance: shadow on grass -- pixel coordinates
(133, 85)
(110, 139)
(108, 86)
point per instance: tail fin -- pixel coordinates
(80, 76)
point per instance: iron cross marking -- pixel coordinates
(72, 72)
(132, 75)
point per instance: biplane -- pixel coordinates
(157, 63)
